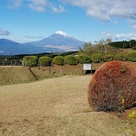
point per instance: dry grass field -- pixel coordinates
(54, 107)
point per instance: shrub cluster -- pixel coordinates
(120, 56)
(112, 82)
(30, 60)
(59, 60)
(96, 58)
(71, 60)
(45, 61)
(84, 59)
(131, 56)
(108, 57)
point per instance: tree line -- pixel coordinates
(124, 44)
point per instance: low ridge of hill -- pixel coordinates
(8, 47)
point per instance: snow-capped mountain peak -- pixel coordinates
(62, 33)
(60, 41)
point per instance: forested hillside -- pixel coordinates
(124, 44)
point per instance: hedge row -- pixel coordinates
(131, 56)
(74, 60)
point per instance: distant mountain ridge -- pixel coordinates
(60, 40)
(8, 47)
(57, 42)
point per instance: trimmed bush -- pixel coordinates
(83, 59)
(131, 56)
(110, 84)
(59, 60)
(45, 61)
(120, 56)
(108, 57)
(71, 60)
(96, 57)
(30, 60)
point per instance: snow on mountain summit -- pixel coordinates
(62, 33)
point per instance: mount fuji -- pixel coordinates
(61, 41)
(57, 42)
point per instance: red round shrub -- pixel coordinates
(110, 84)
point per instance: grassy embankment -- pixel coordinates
(14, 75)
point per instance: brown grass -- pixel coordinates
(54, 107)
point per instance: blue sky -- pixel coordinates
(86, 20)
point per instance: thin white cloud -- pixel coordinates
(38, 5)
(41, 5)
(133, 26)
(4, 32)
(15, 3)
(123, 36)
(132, 23)
(105, 9)
(39, 2)
(115, 22)
(107, 34)
(34, 37)
(1, 51)
(101, 9)
(127, 36)
(58, 9)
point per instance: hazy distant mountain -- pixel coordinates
(57, 42)
(8, 47)
(60, 40)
